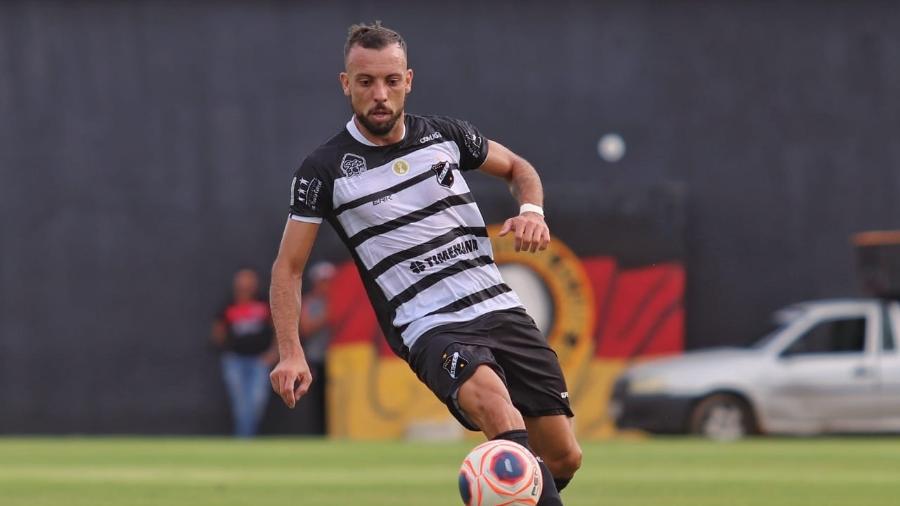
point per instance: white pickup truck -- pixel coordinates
(830, 366)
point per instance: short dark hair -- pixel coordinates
(374, 36)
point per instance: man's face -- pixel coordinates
(377, 81)
(246, 285)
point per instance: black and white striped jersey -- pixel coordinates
(410, 222)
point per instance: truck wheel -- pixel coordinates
(722, 417)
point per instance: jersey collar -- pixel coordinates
(356, 134)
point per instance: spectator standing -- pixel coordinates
(243, 331)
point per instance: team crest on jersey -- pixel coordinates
(401, 167)
(454, 364)
(444, 173)
(352, 165)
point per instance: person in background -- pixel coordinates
(243, 331)
(316, 333)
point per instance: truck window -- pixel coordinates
(846, 335)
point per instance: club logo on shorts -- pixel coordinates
(454, 364)
(401, 167)
(444, 173)
(352, 165)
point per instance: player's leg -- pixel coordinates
(553, 439)
(485, 401)
(469, 381)
(538, 389)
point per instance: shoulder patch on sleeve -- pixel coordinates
(306, 191)
(473, 142)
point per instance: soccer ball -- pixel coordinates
(500, 473)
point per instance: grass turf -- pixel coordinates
(221, 472)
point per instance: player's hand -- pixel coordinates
(531, 231)
(291, 379)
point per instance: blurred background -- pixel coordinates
(704, 165)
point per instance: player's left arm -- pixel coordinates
(530, 229)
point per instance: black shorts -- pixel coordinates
(507, 341)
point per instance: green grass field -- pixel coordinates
(657, 472)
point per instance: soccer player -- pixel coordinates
(391, 184)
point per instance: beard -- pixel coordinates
(380, 128)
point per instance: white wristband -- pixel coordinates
(531, 208)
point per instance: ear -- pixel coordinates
(409, 78)
(345, 83)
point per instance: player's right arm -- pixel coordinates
(291, 377)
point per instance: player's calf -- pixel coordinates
(554, 440)
(564, 465)
(550, 492)
(485, 401)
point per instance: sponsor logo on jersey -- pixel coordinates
(564, 395)
(306, 191)
(352, 165)
(469, 246)
(401, 167)
(454, 364)
(444, 173)
(430, 137)
(384, 199)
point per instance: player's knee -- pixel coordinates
(565, 464)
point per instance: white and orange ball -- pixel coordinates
(500, 473)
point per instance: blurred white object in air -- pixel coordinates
(611, 147)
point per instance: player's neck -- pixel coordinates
(394, 136)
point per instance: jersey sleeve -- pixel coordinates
(473, 147)
(310, 199)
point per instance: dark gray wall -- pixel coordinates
(146, 150)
